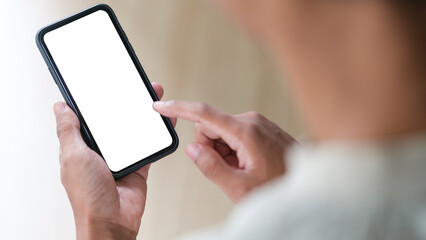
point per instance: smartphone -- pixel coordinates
(101, 79)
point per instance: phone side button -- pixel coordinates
(53, 75)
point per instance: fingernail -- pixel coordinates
(160, 104)
(58, 108)
(157, 104)
(193, 150)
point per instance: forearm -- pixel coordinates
(88, 228)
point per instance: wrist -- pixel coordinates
(89, 227)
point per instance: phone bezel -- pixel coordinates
(84, 129)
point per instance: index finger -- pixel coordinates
(212, 120)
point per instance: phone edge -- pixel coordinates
(66, 95)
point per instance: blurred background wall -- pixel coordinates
(184, 44)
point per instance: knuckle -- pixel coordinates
(254, 124)
(75, 154)
(64, 127)
(67, 122)
(252, 128)
(63, 178)
(255, 116)
(68, 157)
(203, 108)
(73, 161)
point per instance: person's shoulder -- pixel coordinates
(339, 192)
(281, 211)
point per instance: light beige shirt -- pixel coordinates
(338, 191)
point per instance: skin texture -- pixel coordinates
(101, 206)
(356, 71)
(237, 153)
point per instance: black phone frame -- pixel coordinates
(84, 129)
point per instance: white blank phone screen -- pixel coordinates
(108, 90)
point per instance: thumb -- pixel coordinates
(213, 166)
(67, 128)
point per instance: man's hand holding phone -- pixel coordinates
(103, 208)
